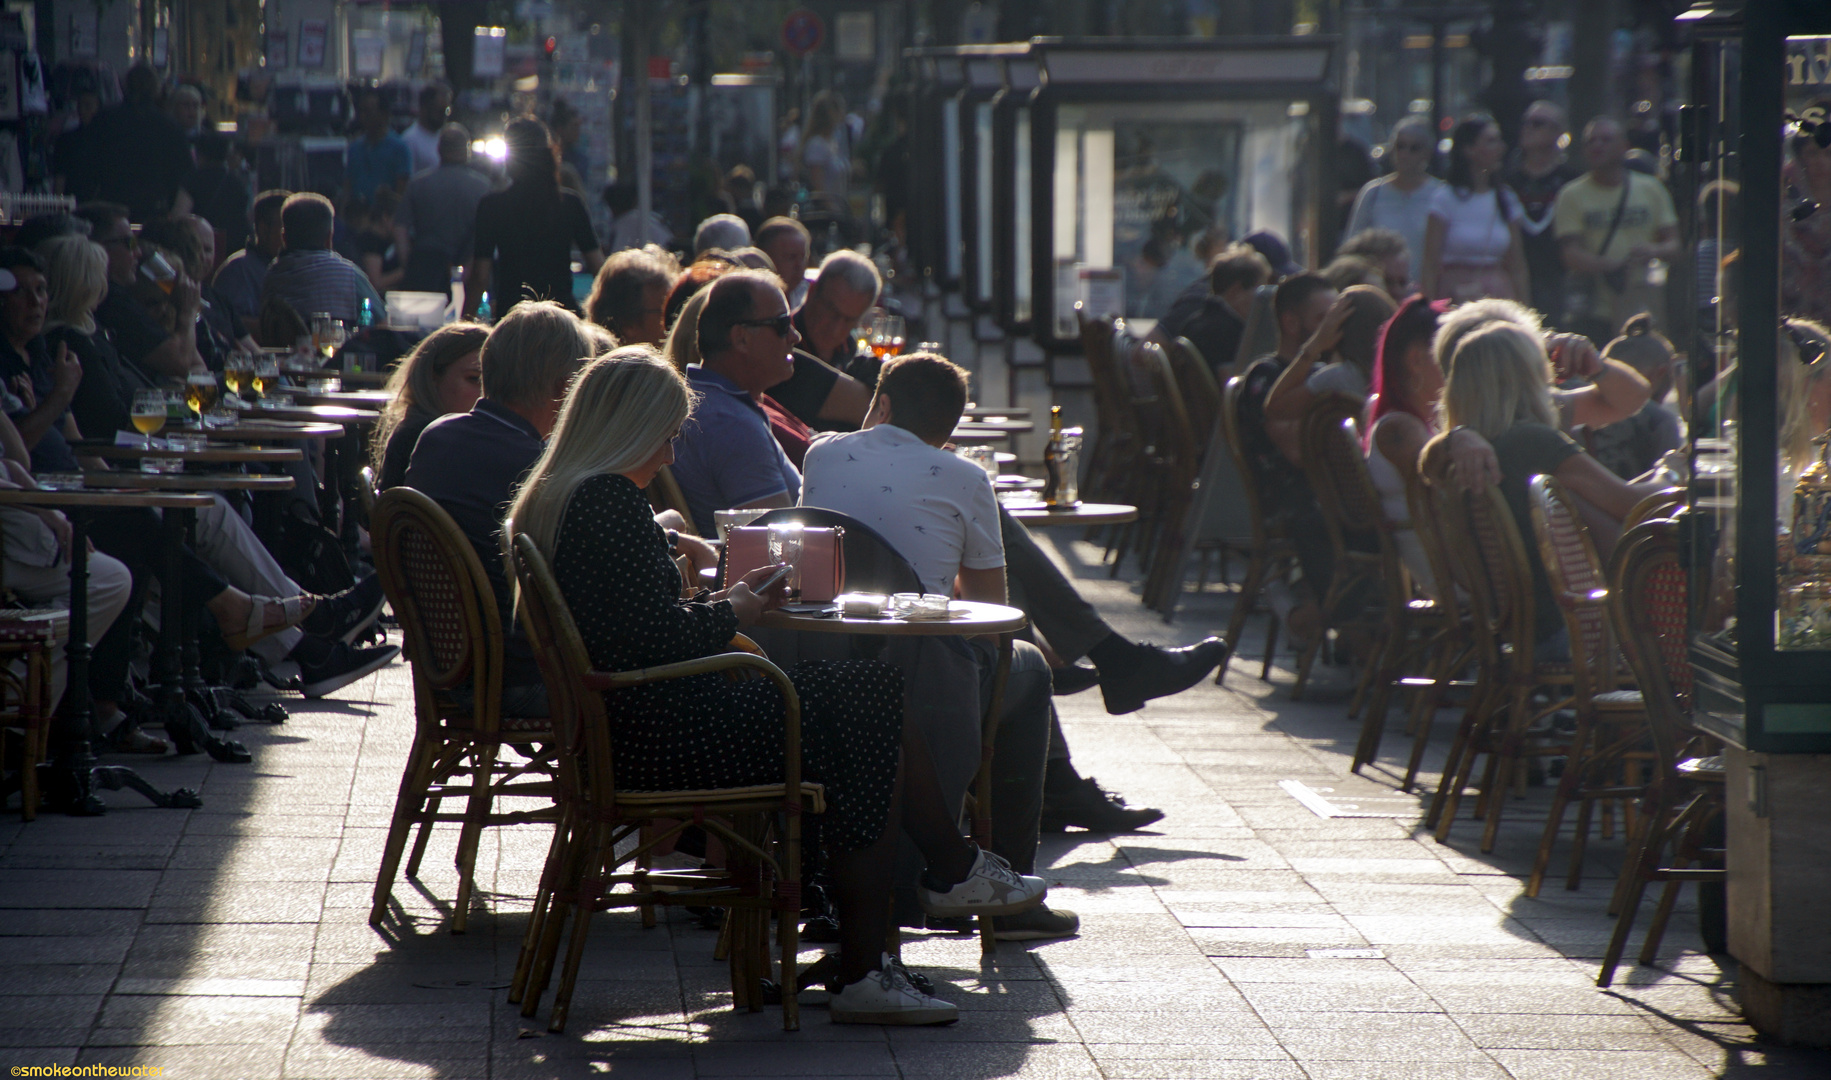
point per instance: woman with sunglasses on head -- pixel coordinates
(1401, 199)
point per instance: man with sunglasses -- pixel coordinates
(725, 456)
(1537, 171)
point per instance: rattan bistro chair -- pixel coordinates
(1611, 719)
(1651, 614)
(1479, 532)
(1271, 556)
(759, 825)
(1351, 515)
(28, 636)
(452, 633)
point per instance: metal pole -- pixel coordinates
(1437, 28)
(645, 150)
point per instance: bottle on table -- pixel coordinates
(1052, 459)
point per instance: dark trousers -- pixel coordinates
(1038, 586)
(135, 537)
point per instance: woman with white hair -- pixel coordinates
(584, 508)
(1500, 387)
(1401, 199)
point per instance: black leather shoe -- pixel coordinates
(1089, 806)
(1072, 679)
(1151, 672)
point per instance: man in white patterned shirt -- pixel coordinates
(939, 512)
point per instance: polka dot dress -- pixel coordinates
(612, 564)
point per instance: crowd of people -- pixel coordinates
(1507, 315)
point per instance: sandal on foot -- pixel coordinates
(295, 609)
(127, 738)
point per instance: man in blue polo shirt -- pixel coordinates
(725, 457)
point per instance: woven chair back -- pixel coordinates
(1201, 394)
(1660, 504)
(1331, 440)
(1575, 571)
(1649, 606)
(1112, 392)
(1424, 524)
(1178, 443)
(1236, 449)
(435, 582)
(1479, 534)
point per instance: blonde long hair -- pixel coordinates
(682, 347)
(76, 277)
(1498, 377)
(618, 411)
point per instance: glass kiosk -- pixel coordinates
(1137, 146)
(976, 165)
(1756, 144)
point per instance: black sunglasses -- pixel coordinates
(781, 324)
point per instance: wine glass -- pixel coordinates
(894, 334)
(785, 547)
(149, 411)
(266, 378)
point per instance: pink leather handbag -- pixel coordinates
(822, 562)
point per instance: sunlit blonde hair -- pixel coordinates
(532, 350)
(1499, 377)
(619, 410)
(1464, 319)
(76, 276)
(682, 346)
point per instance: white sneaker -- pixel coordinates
(991, 888)
(885, 996)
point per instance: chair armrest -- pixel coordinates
(1595, 598)
(618, 680)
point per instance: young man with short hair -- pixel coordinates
(938, 511)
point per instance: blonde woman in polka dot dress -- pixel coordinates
(583, 505)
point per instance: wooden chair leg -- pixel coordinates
(476, 815)
(1243, 605)
(409, 805)
(1568, 786)
(1644, 865)
(1686, 850)
(538, 914)
(565, 904)
(595, 859)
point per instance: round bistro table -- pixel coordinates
(966, 619)
(74, 773)
(1037, 514)
(218, 454)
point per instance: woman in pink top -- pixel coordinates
(1402, 417)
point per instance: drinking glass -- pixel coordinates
(887, 335)
(785, 547)
(149, 411)
(266, 378)
(332, 339)
(200, 393)
(238, 372)
(159, 270)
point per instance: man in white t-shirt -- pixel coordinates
(422, 136)
(938, 511)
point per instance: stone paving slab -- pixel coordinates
(1244, 937)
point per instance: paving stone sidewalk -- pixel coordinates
(1247, 936)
